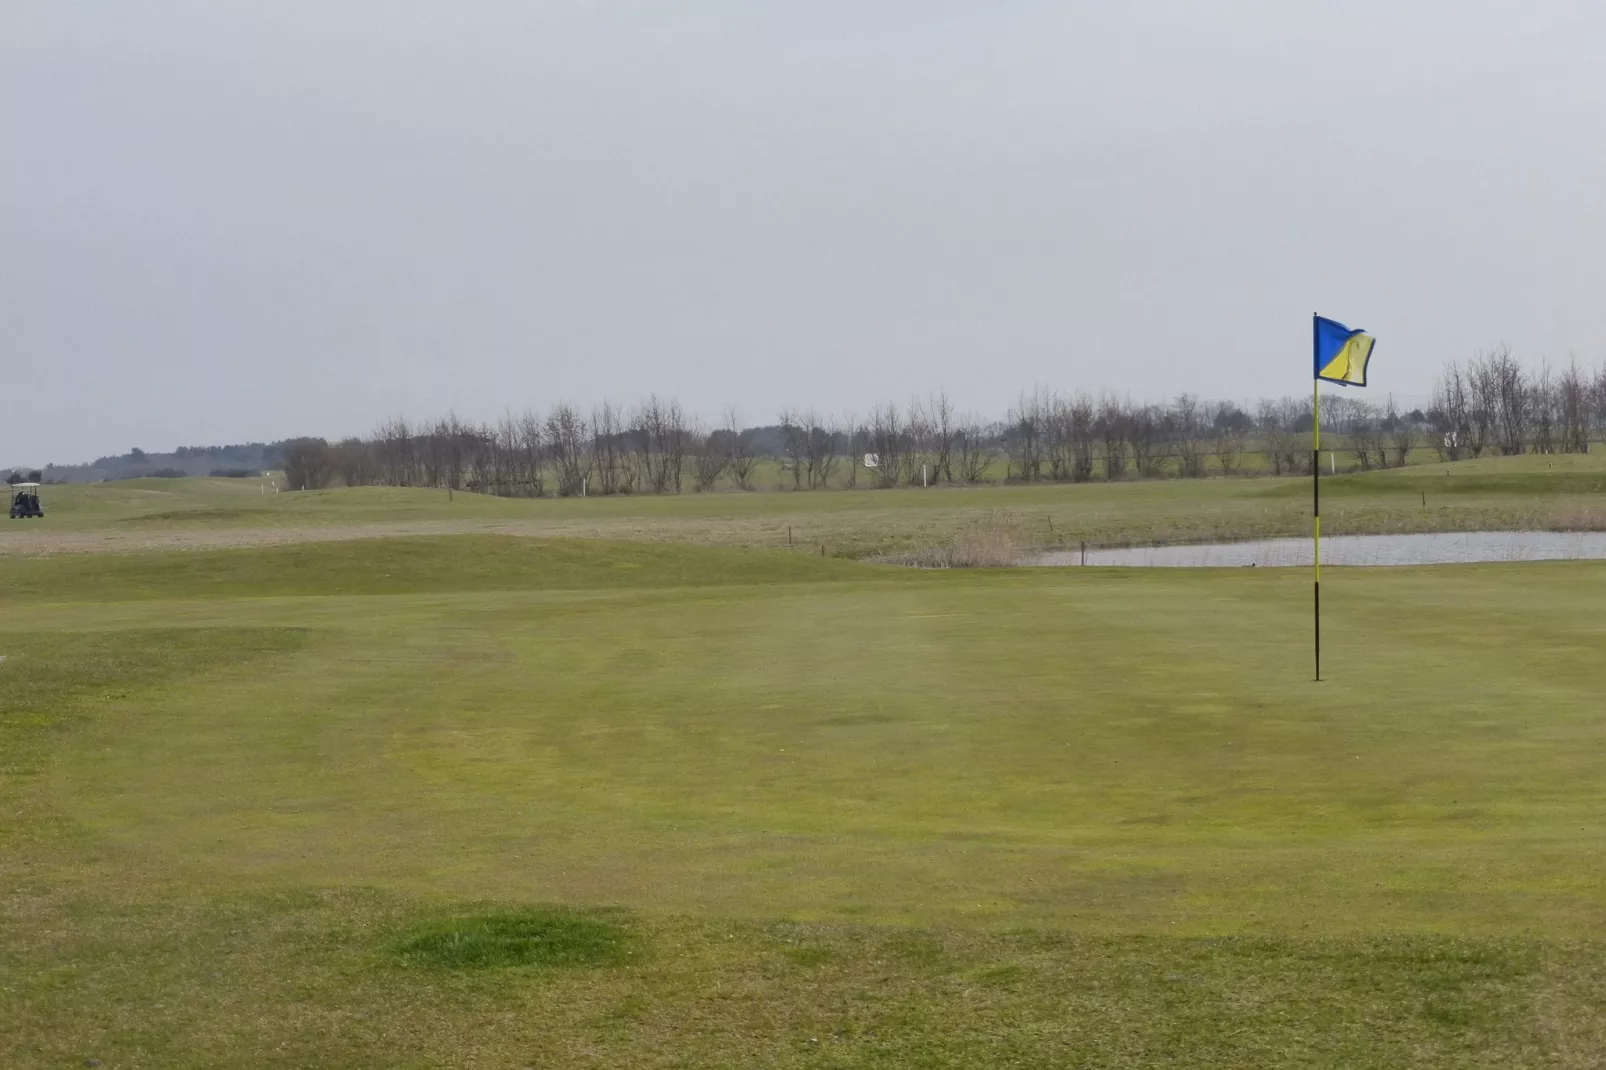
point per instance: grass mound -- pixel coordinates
(545, 938)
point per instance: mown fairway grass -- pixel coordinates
(1555, 492)
(508, 802)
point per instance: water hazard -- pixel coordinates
(1452, 548)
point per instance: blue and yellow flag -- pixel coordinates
(1341, 354)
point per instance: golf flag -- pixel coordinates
(1341, 357)
(1341, 354)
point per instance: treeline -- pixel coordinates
(245, 458)
(1496, 405)
(1492, 404)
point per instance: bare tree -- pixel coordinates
(1544, 408)
(944, 433)
(810, 449)
(1057, 448)
(741, 455)
(1403, 433)
(710, 457)
(482, 458)
(889, 441)
(1082, 426)
(610, 448)
(309, 464)
(1598, 403)
(826, 445)
(494, 466)
(1229, 437)
(1572, 409)
(658, 439)
(432, 453)
(1513, 401)
(917, 449)
(857, 444)
(1271, 431)
(1144, 430)
(446, 448)
(795, 444)
(1188, 429)
(1367, 437)
(531, 454)
(356, 462)
(1452, 414)
(1112, 430)
(973, 451)
(395, 455)
(638, 451)
(1483, 396)
(1024, 439)
(1275, 422)
(674, 438)
(569, 439)
(1345, 420)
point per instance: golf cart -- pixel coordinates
(25, 501)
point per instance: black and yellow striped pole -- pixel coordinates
(1316, 502)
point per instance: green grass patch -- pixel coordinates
(550, 937)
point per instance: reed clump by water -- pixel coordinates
(999, 539)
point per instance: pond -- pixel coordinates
(1451, 548)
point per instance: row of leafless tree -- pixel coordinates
(1496, 405)
(1493, 404)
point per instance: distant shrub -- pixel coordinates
(233, 473)
(167, 473)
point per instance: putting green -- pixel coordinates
(775, 765)
(1124, 749)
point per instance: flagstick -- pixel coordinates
(1316, 512)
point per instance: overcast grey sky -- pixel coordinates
(243, 220)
